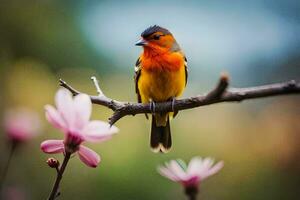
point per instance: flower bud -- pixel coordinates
(53, 163)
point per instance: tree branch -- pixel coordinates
(219, 94)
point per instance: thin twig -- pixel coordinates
(100, 100)
(54, 192)
(96, 83)
(6, 167)
(219, 94)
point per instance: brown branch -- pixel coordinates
(54, 192)
(219, 94)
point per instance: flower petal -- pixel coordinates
(88, 156)
(217, 167)
(167, 173)
(97, 131)
(55, 118)
(52, 146)
(177, 170)
(205, 166)
(83, 110)
(194, 165)
(65, 106)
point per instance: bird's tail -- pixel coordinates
(160, 133)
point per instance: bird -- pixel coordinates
(161, 74)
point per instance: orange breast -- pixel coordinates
(167, 61)
(162, 77)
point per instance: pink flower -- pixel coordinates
(21, 124)
(12, 193)
(190, 176)
(72, 118)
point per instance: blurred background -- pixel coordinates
(256, 42)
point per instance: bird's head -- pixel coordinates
(156, 37)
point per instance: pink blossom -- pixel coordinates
(72, 117)
(21, 124)
(13, 193)
(190, 176)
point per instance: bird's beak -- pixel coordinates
(141, 42)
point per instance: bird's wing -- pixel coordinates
(176, 48)
(186, 77)
(137, 74)
(186, 70)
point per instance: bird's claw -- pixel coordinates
(173, 104)
(152, 107)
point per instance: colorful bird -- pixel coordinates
(160, 75)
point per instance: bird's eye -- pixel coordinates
(156, 37)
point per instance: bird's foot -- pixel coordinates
(173, 104)
(152, 107)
